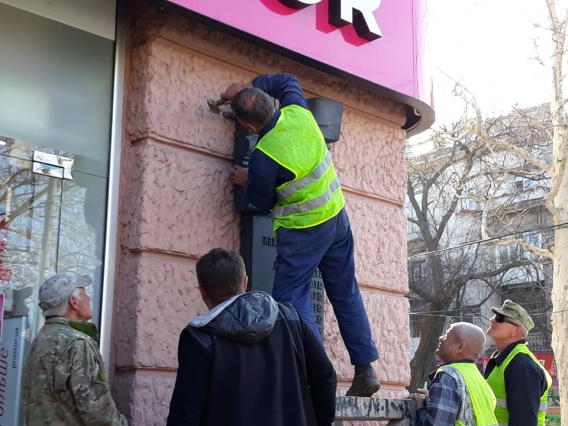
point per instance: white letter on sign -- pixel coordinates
(356, 12)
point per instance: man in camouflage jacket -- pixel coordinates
(64, 381)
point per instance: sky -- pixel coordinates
(489, 46)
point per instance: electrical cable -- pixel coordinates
(526, 231)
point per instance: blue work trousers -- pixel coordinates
(329, 246)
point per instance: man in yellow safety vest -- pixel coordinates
(458, 394)
(291, 174)
(519, 381)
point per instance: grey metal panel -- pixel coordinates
(258, 249)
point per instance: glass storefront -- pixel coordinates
(48, 224)
(56, 97)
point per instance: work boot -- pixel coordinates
(364, 384)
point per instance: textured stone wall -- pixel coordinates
(176, 202)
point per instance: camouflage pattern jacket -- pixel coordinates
(64, 381)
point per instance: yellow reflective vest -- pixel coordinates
(497, 382)
(314, 196)
(478, 401)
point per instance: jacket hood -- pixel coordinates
(247, 318)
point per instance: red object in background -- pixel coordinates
(548, 361)
(5, 273)
(484, 360)
(545, 358)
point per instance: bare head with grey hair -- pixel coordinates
(462, 341)
(253, 107)
(473, 335)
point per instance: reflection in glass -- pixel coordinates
(47, 225)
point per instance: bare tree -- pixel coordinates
(449, 277)
(553, 168)
(540, 163)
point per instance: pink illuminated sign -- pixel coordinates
(379, 44)
(359, 13)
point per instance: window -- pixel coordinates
(533, 239)
(412, 228)
(467, 204)
(417, 269)
(522, 184)
(471, 315)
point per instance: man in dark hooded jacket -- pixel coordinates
(249, 360)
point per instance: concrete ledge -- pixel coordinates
(398, 411)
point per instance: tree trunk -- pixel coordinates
(560, 297)
(560, 318)
(421, 364)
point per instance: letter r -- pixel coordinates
(356, 12)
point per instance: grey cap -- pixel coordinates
(55, 290)
(512, 310)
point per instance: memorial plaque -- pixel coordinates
(318, 299)
(258, 249)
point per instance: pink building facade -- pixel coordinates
(176, 202)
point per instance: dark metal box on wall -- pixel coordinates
(245, 142)
(328, 114)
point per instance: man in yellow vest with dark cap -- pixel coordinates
(518, 379)
(291, 174)
(458, 394)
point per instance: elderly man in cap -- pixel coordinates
(520, 383)
(64, 381)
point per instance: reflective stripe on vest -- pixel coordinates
(501, 402)
(289, 190)
(497, 382)
(308, 205)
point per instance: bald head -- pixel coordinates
(472, 336)
(462, 341)
(253, 106)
